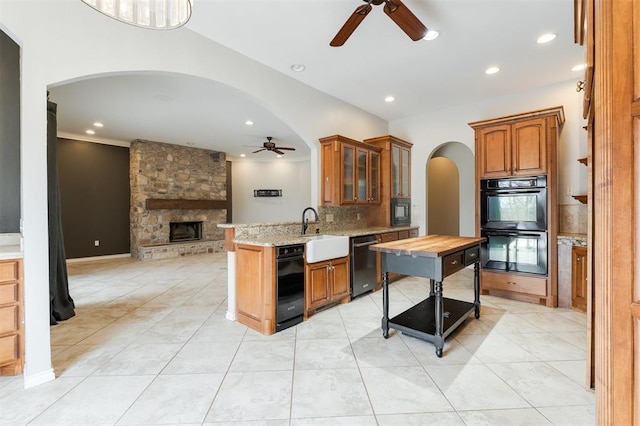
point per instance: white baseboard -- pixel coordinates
(88, 259)
(33, 380)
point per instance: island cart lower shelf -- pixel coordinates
(420, 320)
(434, 257)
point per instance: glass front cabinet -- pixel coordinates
(350, 172)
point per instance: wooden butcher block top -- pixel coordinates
(427, 246)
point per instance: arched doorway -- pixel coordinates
(450, 190)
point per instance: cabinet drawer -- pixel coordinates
(452, 263)
(9, 349)
(517, 283)
(388, 236)
(403, 235)
(8, 319)
(413, 233)
(8, 293)
(471, 255)
(9, 270)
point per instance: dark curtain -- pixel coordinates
(62, 306)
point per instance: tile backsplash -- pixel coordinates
(573, 218)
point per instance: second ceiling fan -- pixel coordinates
(395, 9)
(271, 146)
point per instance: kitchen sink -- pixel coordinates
(325, 247)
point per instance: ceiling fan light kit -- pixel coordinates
(395, 9)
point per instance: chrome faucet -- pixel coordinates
(305, 222)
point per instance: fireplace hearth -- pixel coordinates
(185, 231)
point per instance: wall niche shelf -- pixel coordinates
(581, 198)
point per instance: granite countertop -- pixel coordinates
(282, 240)
(572, 239)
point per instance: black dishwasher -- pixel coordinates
(363, 265)
(289, 285)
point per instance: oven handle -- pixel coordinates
(513, 234)
(513, 191)
(370, 243)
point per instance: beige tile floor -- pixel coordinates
(150, 345)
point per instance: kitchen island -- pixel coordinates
(434, 257)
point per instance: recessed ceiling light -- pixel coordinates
(546, 38)
(389, 99)
(249, 123)
(491, 70)
(579, 67)
(431, 35)
(279, 156)
(90, 132)
(243, 155)
(297, 67)
(98, 124)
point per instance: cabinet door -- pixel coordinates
(528, 147)
(330, 176)
(317, 289)
(251, 286)
(395, 171)
(494, 151)
(362, 175)
(340, 286)
(374, 177)
(579, 278)
(405, 188)
(348, 174)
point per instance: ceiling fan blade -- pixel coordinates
(276, 150)
(350, 26)
(259, 150)
(405, 19)
(285, 148)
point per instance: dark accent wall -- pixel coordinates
(9, 135)
(94, 195)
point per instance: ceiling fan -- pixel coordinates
(395, 9)
(271, 146)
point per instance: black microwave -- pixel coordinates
(400, 211)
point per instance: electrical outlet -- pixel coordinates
(329, 218)
(357, 216)
(96, 243)
(569, 191)
(254, 231)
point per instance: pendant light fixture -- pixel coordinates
(152, 14)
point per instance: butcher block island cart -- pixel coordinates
(434, 257)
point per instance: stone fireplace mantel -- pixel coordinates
(184, 204)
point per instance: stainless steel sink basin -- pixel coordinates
(325, 247)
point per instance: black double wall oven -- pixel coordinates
(513, 219)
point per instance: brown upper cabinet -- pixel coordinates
(512, 149)
(350, 172)
(396, 166)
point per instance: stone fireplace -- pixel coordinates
(176, 189)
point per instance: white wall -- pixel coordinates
(428, 131)
(292, 177)
(63, 41)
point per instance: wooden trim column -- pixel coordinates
(615, 211)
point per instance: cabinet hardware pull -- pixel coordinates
(453, 262)
(472, 255)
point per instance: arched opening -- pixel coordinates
(443, 201)
(450, 190)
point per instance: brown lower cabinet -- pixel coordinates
(255, 287)
(524, 287)
(579, 277)
(11, 322)
(326, 283)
